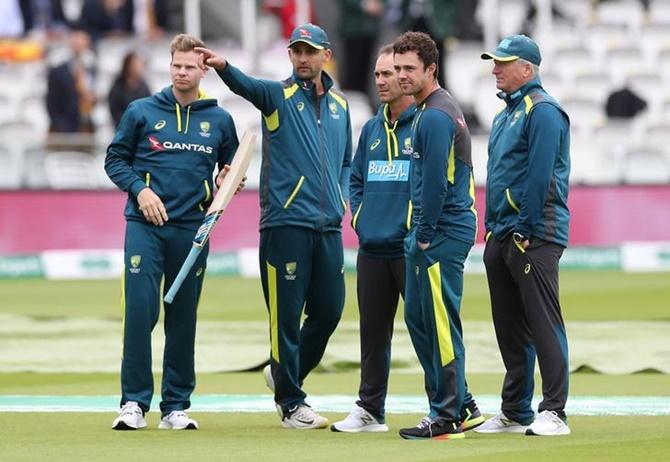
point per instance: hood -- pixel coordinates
(510, 98)
(166, 99)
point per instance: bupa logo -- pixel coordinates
(155, 144)
(382, 170)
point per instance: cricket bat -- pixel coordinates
(238, 168)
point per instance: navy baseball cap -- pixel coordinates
(311, 34)
(515, 47)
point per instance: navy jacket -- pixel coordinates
(529, 167)
(379, 188)
(173, 150)
(306, 150)
(443, 188)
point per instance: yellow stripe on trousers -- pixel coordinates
(123, 307)
(441, 319)
(274, 329)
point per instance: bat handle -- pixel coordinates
(183, 272)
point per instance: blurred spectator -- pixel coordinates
(360, 25)
(149, 18)
(624, 104)
(103, 18)
(44, 17)
(12, 20)
(70, 98)
(286, 10)
(436, 18)
(468, 28)
(128, 86)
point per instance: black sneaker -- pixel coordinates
(437, 430)
(471, 417)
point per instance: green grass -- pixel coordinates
(26, 383)
(258, 437)
(585, 296)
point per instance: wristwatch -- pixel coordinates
(519, 238)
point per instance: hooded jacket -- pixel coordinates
(306, 150)
(529, 167)
(173, 150)
(379, 188)
(443, 187)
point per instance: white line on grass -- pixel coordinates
(398, 404)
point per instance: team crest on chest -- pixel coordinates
(515, 118)
(333, 110)
(407, 146)
(204, 129)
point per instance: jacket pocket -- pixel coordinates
(354, 221)
(207, 193)
(294, 193)
(510, 200)
(344, 203)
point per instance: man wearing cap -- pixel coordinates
(304, 187)
(527, 222)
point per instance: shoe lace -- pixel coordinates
(130, 407)
(304, 413)
(549, 416)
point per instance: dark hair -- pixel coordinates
(125, 67)
(422, 44)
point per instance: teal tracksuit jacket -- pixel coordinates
(174, 151)
(379, 188)
(306, 150)
(527, 189)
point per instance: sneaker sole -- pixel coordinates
(446, 436)
(269, 381)
(125, 427)
(530, 432)
(379, 428)
(502, 430)
(472, 423)
(191, 426)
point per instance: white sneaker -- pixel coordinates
(303, 417)
(269, 380)
(177, 420)
(548, 423)
(501, 424)
(359, 420)
(130, 417)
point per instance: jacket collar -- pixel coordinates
(309, 85)
(511, 99)
(405, 117)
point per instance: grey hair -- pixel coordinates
(535, 67)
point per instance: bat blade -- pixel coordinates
(238, 168)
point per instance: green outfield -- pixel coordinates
(586, 296)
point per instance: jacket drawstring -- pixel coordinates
(188, 117)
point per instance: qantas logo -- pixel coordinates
(156, 145)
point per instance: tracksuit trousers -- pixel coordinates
(380, 282)
(528, 323)
(152, 252)
(300, 268)
(433, 292)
